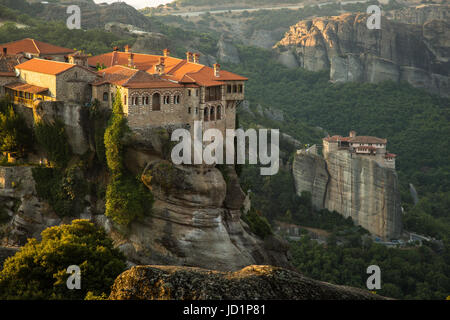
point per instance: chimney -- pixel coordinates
(196, 57)
(131, 59)
(166, 52)
(189, 56)
(217, 70)
(159, 68)
(127, 48)
(115, 48)
(352, 134)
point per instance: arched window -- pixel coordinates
(156, 102)
(219, 113)
(105, 96)
(124, 99)
(134, 101)
(167, 99)
(145, 100)
(206, 114)
(176, 99)
(212, 114)
(234, 88)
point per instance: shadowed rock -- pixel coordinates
(252, 282)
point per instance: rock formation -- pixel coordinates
(354, 187)
(256, 282)
(343, 44)
(195, 219)
(420, 14)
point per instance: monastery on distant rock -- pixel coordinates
(360, 146)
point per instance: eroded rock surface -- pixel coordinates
(251, 283)
(344, 45)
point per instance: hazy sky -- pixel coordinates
(138, 4)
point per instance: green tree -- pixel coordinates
(38, 270)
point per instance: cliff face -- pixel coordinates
(418, 54)
(251, 283)
(195, 219)
(354, 187)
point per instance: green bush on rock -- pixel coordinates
(38, 270)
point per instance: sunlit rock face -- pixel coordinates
(351, 51)
(355, 187)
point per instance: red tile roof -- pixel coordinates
(29, 45)
(45, 66)
(175, 69)
(133, 78)
(390, 155)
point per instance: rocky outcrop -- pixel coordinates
(29, 216)
(418, 54)
(256, 282)
(355, 187)
(195, 219)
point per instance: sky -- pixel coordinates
(138, 4)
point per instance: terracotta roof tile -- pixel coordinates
(45, 66)
(33, 46)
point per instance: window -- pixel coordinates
(212, 114)
(156, 102)
(240, 88)
(189, 92)
(145, 100)
(135, 101)
(229, 88)
(189, 110)
(176, 99)
(206, 114)
(105, 96)
(196, 110)
(196, 92)
(166, 99)
(124, 99)
(219, 113)
(234, 88)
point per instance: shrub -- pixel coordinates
(62, 190)
(38, 270)
(127, 199)
(52, 137)
(15, 136)
(257, 223)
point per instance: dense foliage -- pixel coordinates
(15, 136)
(409, 273)
(127, 198)
(52, 138)
(63, 189)
(38, 270)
